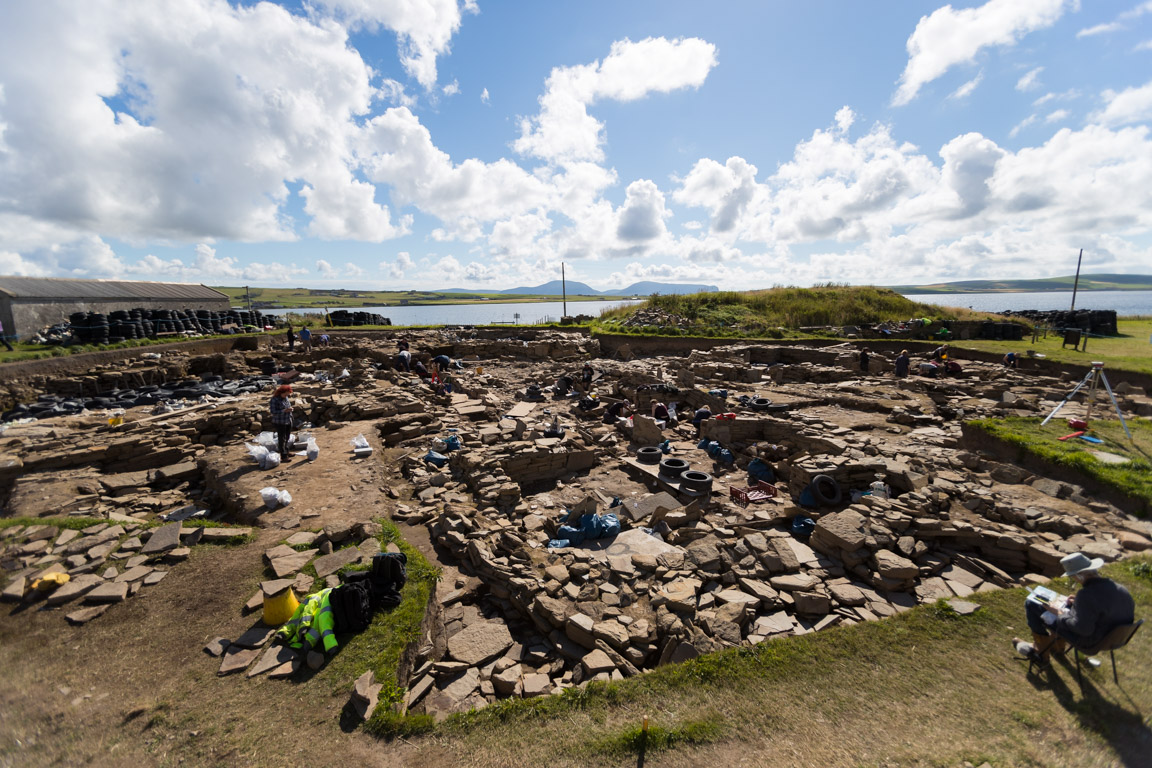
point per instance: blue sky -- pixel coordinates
(437, 143)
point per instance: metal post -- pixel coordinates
(1076, 284)
(564, 289)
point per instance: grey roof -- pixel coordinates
(65, 288)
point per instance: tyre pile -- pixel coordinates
(126, 324)
(211, 387)
(1002, 331)
(344, 318)
(1101, 321)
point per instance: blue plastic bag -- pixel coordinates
(758, 470)
(803, 526)
(436, 459)
(452, 442)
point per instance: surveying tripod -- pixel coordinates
(1095, 376)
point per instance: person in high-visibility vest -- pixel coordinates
(310, 624)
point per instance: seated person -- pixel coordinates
(1100, 606)
(929, 369)
(616, 411)
(419, 369)
(324, 340)
(659, 411)
(940, 353)
(1011, 361)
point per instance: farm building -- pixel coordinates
(28, 304)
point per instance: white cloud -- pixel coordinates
(564, 132)
(325, 268)
(643, 214)
(484, 97)
(1022, 125)
(402, 264)
(451, 89)
(966, 90)
(1100, 29)
(1144, 46)
(1138, 11)
(873, 200)
(949, 37)
(1132, 105)
(424, 28)
(1057, 116)
(1030, 80)
(195, 117)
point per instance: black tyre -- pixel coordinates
(649, 455)
(826, 490)
(673, 467)
(760, 403)
(695, 480)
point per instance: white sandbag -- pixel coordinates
(257, 452)
(284, 498)
(271, 460)
(360, 442)
(267, 439)
(313, 450)
(271, 497)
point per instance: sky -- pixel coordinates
(406, 144)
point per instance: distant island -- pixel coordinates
(1097, 282)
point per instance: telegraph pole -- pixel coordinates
(1076, 284)
(564, 290)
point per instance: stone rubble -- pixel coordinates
(690, 573)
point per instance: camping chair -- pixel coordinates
(1117, 638)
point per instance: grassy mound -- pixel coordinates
(769, 312)
(1133, 477)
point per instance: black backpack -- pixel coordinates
(388, 576)
(351, 606)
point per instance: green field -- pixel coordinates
(1105, 282)
(1131, 350)
(316, 298)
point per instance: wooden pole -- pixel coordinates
(1076, 284)
(564, 290)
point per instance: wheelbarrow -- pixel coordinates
(758, 491)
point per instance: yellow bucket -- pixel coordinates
(280, 607)
(479, 370)
(116, 421)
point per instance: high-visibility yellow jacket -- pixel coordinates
(311, 623)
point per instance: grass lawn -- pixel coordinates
(1134, 477)
(1131, 350)
(926, 688)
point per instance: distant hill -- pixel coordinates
(556, 288)
(647, 288)
(1097, 282)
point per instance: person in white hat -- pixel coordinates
(1100, 606)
